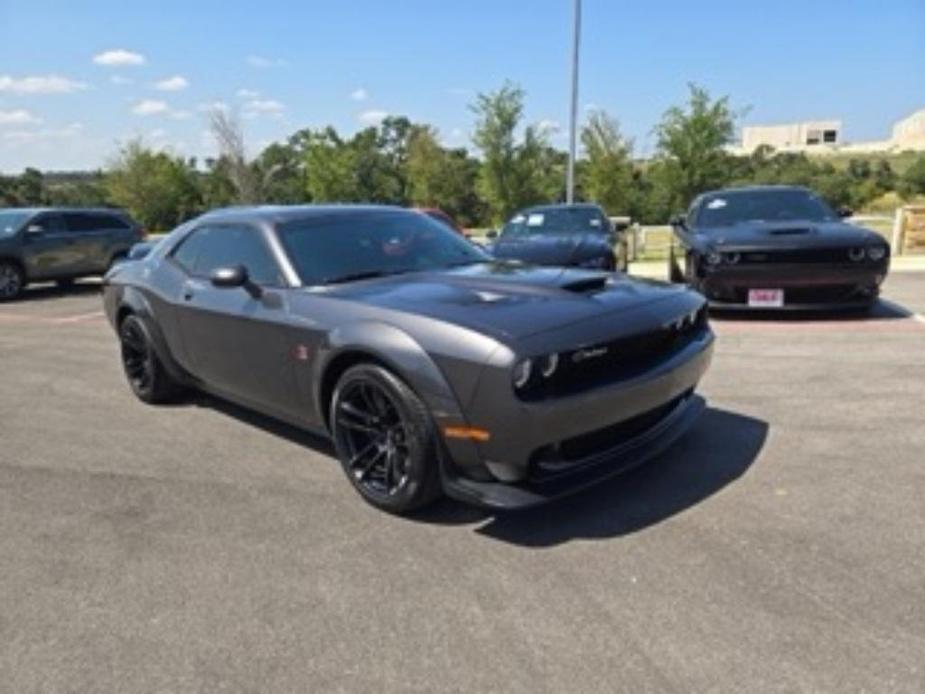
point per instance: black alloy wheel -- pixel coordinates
(143, 369)
(384, 439)
(11, 280)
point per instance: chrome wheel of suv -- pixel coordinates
(11, 280)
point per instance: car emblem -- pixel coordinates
(585, 354)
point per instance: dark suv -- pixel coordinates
(38, 245)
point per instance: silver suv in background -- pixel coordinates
(60, 244)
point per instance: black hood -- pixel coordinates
(509, 300)
(783, 235)
(553, 249)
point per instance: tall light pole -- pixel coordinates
(576, 37)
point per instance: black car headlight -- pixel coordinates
(732, 258)
(548, 365)
(522, 372)
(876, 253)
(856, 254)
(713, 258)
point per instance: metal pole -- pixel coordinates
(570, 182)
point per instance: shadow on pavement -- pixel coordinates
(717, 451)
(882, 310)
(44, 292)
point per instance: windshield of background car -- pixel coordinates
(560, 220)
(723, 210)
(10, 222)
(329, 248)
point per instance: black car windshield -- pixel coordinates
(341, 247)
(11, 221)
(556, 220)
(728, 209)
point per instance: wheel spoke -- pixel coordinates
(358, 416)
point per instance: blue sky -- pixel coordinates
(77, 78)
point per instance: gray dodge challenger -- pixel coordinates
(433, 367)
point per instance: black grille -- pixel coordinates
(801, 255)
(617, 360)
(818, 294)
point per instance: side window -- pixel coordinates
(186, 253)
(51, 223)
(225, 246)
(79, 222)
(108, 222)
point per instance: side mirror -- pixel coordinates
(678, 221)
(845, 212)
(492, 234)
(35, 230)
(139, 251)
(233, 277)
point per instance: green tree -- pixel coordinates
(157, 189)
(513, 174)
(438, 177)
(606, 176)
(912, 182)
(692, 144)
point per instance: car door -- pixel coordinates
(237, 343)
(90, 234)
(46, 248)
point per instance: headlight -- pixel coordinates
(522, 371)
(713, 258)
(548, 365)
(876, 253)
(731, 258)
(856, 254)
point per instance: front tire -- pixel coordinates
(144, 370)
(385, 439)
(12, 280)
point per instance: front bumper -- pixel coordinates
(543, 450)
(805, 286)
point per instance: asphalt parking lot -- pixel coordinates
(780, 546)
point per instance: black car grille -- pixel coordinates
(818, 294)
(614, 361)
(801, 255)
(563, 457)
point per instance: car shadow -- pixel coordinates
(716, 452)
(882, 310)
(44, 292)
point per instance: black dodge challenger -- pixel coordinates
(430, 365)
(776, 247)
(576, 235)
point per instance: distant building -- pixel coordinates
(793, 136)
(825, 137)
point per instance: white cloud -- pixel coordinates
(373, 117)
(549, 126)
(213, 106)
(40, 84)
(120, 80)
(22, 137)
(247, 93)
(359, 94)
(180, 115)
(18, 116)
(157, 134)
(457, 134)
(172, 84)
(270, 107)
(118, 56)
(150, 107)
(264, 62)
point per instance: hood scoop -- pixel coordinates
(789, 232)
(585, 285)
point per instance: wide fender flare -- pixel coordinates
(138, 303)
(398, 351)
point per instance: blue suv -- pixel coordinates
(54, 244)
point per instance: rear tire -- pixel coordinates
(385, 439)
(12, 280)
(144, 370)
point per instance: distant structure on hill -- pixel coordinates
(825, 137)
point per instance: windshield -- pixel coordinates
(556, 220)
(339, 247)
(11, 221)
(728, 209)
